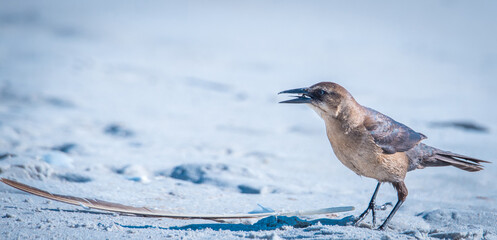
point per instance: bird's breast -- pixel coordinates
(356, 150)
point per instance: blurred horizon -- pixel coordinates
(415, 61)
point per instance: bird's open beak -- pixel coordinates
(303, 96)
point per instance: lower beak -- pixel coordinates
(303, 98)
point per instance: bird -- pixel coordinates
(372, 144)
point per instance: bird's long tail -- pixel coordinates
(432, 157)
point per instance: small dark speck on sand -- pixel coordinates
(72, 177)
(6, 155)
(464, 125)
(248, 189)
(66, 147)
(118, 131)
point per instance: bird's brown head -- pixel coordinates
(323, 97)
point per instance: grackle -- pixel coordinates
(372, 144)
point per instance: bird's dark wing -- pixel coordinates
(389, 134)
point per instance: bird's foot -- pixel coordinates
(363, 215)
(372, 207)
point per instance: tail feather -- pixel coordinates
(455, 155)
(423, 156)
(469, 165)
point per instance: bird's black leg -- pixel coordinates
(402, 195)
(371, 207)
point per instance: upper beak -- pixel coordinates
(303, 98)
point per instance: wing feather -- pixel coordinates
(390, 135)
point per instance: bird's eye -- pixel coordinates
(321, 92)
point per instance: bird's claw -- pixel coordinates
(382, 227)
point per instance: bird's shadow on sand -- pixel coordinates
(268, 223)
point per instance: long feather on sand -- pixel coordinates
(147, 212)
